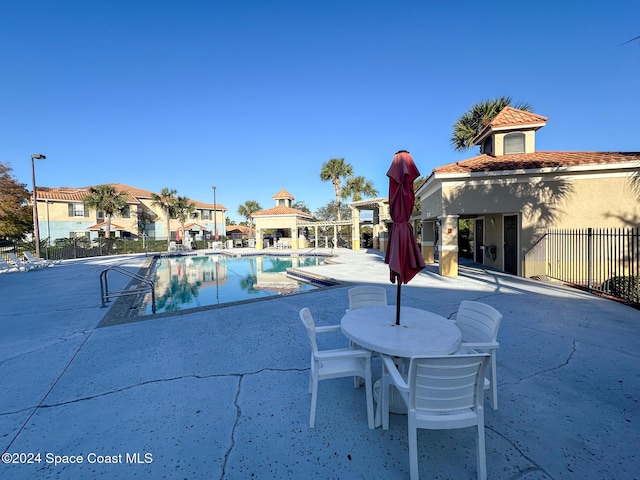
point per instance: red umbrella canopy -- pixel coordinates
(403, 254)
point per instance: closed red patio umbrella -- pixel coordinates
(403, 254)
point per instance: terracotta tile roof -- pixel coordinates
(283, 194)
(195, 226)
(526, 161)
(239, 229)
(210, 206)
(512, 117)
(77, 194)
(282, 210)
(103, 226)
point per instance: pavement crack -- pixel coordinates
(523, 472)
(547, 370)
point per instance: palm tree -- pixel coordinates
(107, 199)
(165, 201)
(183, 209)
(356, 187)
(248, 209)
(336, 169)
(471, 123)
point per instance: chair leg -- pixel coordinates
(413, 450)
(369, 395)
(314, 400)
(494, 383)
(384, 399)
(481, 453)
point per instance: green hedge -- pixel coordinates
(627, 288)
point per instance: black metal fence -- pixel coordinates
(606, 261)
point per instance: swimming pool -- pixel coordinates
(183, 282)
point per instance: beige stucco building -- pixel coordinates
(62, 214)
(513, 194)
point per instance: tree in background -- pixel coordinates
(144, 218)
(248, 209)
(107, 199)
(183, 209)
(356, 187)
(335, 170)
(330, 212)
(16, 217)
(471, 123)
(165, 201)
(301, 206)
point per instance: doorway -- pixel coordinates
(511, 244)
(479, 241)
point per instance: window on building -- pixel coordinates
(206, 214)
(514, 143)
(78, 210)
(126, 212)
(487, 146)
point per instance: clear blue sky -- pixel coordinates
(254, 96)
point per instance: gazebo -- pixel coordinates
(282, 218)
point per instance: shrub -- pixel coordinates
(627, 288)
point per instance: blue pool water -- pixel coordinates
(184, 282)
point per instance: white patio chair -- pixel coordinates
(366, 296)
(35, 260)
(6, 267)
(336, 363)
(441, 393)
(21, 264)
(479, 324)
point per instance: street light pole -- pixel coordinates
(36, 226)
(215, 216)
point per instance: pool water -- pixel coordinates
(184, 282)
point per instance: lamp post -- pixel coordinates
(36, 227)
(215, 216)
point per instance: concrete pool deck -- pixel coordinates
(223, 393)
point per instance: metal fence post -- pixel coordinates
(590, 258)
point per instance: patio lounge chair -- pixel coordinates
(7, 267)
(336, 363)
(22, 265)
(35, 261)
(441, 393)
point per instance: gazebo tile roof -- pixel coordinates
(283, 194)
(282, 210)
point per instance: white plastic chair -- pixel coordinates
(30, 258)
(441, 393)
(22, 264)
(336, 363)
(366, 296)
(479, 324)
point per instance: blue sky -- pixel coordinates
(254, 96)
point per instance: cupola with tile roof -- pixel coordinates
(283, 198)
(512, 131)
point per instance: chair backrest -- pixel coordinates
(446, 384)
(307, 320)
(14, 259)
(366, 296)
(478, 322)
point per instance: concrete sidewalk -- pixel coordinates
(223, 393)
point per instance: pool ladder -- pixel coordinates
(145, 285)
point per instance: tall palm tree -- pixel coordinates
(183, 209)
(165, 201)
(471, 123)
(356, 187)
(336, 169)
(107, 199)
(247, 209)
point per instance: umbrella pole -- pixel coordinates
(398, 302)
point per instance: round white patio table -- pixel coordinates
(420, 333)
